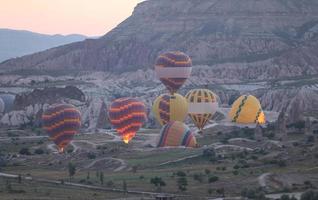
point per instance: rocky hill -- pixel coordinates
(268, 48)
(263, 34)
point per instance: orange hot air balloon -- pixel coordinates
(127, 115)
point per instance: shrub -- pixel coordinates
(181, 174)
(198, 177)
(213, 179)
(38, 151)
(25, 151)
(91, 155)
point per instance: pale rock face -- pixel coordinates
(91, 113)
(267, 48)
(244, 39)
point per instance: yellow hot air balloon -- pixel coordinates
(170, 108)
(202, 106)
(246, 110)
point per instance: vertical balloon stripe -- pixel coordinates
(237, 114)
(257, 115)
(247, 110)
(164, 108)
(176, 134)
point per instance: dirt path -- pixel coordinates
(180, 159)
(122, 166)
(262, 179)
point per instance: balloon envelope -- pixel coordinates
(61, 122)
(247, 109)
(175, 134)
(127, 115)
(173, 69)
(202, 106)
(170, 108)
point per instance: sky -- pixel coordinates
(88, 17)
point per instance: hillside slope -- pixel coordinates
(15, 43)
(264, 32)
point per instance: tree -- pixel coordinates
(124, 186)
(101, 178)
(19, 178)
(134, 169)
(182, 183)
(220, 191)
(8, 186)
(158, 182)
(207, 171)
(88, 176)
(71, 170)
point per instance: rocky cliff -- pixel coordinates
(268, 48)
(258, 38)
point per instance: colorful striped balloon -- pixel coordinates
(247, 110)
(173, 69)
(175, 134)
(168, 108)
(202, 106)
(61, 122)
(127, 115)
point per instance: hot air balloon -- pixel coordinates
(127, 115)
(1, 106)
(173, 69)
(61, 122)
(175, 134)
(8, 100)
(170, 108)
(202, 106)
(246, 110)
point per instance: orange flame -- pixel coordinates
(261, 118)
(127, 137)
(61, 149)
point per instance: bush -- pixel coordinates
(91, 155)
(110, 183)
(182, 183)
(213, 179)
(24, 151)
(198, 177)
(235, 172)
(39, 151)
(253, 193)
(181, 174)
